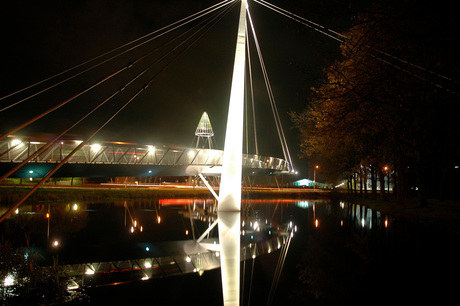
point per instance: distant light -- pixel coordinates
(17, 142)
(89, 271)
(147, 249)
(188, 259)
(95, 147)
(75, 207)
(72, 285)
(31, 171)
(147, 265)
(55, 243)
(8, 281)
(191, 153)
(151, 149)
(17, 211)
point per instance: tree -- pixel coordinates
(378, 107)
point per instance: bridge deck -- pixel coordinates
(123, 159)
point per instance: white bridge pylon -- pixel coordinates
(229, 204)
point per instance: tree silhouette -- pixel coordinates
(387, 102)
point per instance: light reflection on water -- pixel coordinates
(141, 237)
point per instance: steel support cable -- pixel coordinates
(62, 162)
(277, 277)
(184, 21)
(271, 99)
(244, 277)
(92, 67)
(84, 142)
(252, 97)
(252, 275)
(278, 124)
(109, 59)
(91, 87)
(60, 104)
(341, 38)
(312, 25)
(279, 269)
(10, 149)
(49, 144)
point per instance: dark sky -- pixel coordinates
(41, 39)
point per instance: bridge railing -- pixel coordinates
(17, 150)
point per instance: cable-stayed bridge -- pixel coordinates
(102, 97)
(142, 61)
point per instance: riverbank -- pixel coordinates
(440, 214)
(11, 194)
(443, 215)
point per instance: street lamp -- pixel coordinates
(386, 172)
(314, 176)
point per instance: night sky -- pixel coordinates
(41, 39)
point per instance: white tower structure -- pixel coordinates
(204, 132)
(229, 206)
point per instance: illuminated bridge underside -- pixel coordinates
(123, 159)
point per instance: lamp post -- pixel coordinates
(387, 174)
(314, 176)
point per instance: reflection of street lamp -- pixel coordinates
(314, 177)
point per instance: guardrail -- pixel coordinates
(121, 153)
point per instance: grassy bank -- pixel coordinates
(12, 194)
(442, 214)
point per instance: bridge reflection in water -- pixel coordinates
(170, 258)
(190, 257)
(94, 253)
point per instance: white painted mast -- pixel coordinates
(230, 187)
(229, 206)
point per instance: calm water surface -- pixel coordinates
(340, 252)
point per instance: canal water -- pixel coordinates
(306, 252)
